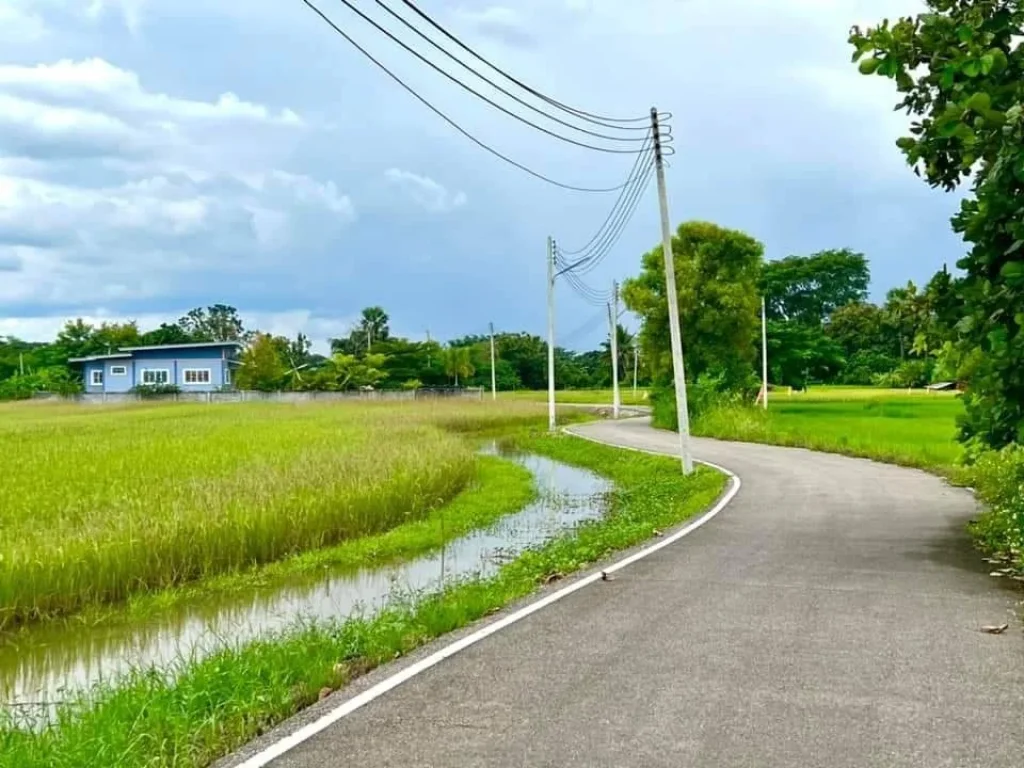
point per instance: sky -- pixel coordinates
(157, 155)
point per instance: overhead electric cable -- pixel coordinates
(638, 167)
(448, 119)
(588, 116)
(508, 93)
(369, 20)
(597, 253)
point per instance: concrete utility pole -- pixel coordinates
(764, 353)
(613, 329)
(678, 370)
(551, 335)
(494, 375)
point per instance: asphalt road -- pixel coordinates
(830, 616)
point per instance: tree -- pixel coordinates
(344, 372)
(374, 325)
(798, 353)
(717, 273)
(960, 70)
(625, 342)
(458, 361)
(166, 334)
(219, 322)
(261, 366)
(808, 289)
(906, 311)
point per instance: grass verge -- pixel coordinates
(910, 431)
(215, 705)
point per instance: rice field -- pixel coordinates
(100, 503)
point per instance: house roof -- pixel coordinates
(193, 345)
(93, 358)
(127, 352)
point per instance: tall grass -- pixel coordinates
(581, 396)
(217, 704)
(910, 430)
(98, 504)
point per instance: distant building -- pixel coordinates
(199, 367)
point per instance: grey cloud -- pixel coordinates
(9, 262)
(501, 23)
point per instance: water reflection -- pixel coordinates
(48, 662)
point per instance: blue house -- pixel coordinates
(199, 367)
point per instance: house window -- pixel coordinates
(196, 375)
(96, 378)
(152, 376)
(119, 370)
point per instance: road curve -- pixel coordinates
(828, 617)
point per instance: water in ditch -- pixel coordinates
(43, 666)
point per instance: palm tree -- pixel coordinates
(626, 341)
(458, 362)
(374, 325)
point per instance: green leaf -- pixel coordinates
(987, 62)
(965, 32)
(994, 117)
(1013, 272)
(1015, 247)
(906, 143)
(869, 66)
(1019, 319)
(971, 68)
(979, 102)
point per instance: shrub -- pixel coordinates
(999, 480)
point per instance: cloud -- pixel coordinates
(425, 192)
(504, 24)
(19, 25)
(109, 190)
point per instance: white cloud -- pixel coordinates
(20, 25)
(110, 190)
(425, 192)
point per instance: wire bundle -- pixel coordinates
(617, 135)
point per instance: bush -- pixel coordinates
(154, 390)
(999, 480)
(708, 393)
(912, 373)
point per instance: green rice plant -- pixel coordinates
(213, 706)
(102, 503)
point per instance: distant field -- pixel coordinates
(579, 396)
(102, 502)
(817, 393)
(915, 430)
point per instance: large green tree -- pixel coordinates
(717, 274)
(960, 70)
(808, 289)
(218, 322)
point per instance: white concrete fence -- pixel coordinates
(238, 396)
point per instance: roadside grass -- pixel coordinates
(910, 430)
(101, 504)
(816, 393)
(216, 705)
(579, 396)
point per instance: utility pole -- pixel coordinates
(551, 335)
(613, 329)
(494, 375)
(21, 362)
(764, 352)
(678, 370)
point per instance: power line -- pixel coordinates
(508, 93)
(598, 253)
(588, 116)
(586, 326)
(632, 175)
(369, 20)
(448, 119)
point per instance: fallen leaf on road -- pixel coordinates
(996, 629)
(324, 693)
(656, 531)
(605, 576)
(552, 577)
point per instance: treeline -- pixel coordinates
(821, 327)
(369, 356)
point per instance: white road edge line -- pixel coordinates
(289, 742)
